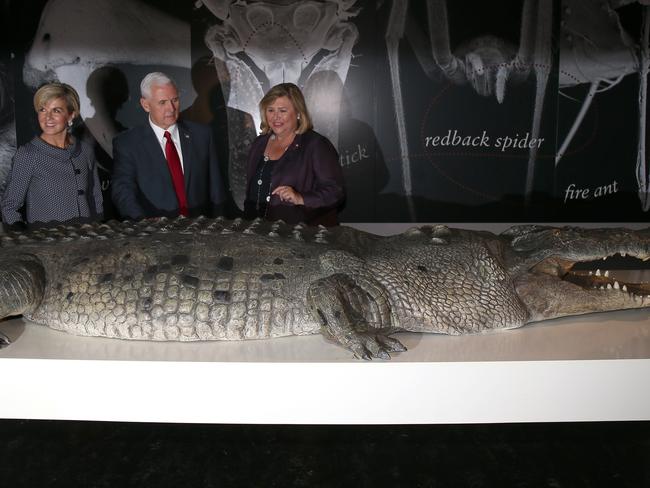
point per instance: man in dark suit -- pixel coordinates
(165, 167)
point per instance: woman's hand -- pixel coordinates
(288, 194)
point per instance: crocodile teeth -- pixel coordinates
(616, 286)
(624, 288)
(597, 272)
(609, 286)
(606, 273)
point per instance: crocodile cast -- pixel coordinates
(204, 279)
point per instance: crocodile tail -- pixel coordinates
(22, 283)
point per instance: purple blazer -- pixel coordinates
(311, 166)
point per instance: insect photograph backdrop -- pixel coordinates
(441, 111)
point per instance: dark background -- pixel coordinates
(93, 454)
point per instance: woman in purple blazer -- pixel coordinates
(293, 172)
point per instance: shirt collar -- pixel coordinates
(160, 132)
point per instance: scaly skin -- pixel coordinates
(205, 279)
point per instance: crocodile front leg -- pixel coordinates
(22, 281)
(338, 304)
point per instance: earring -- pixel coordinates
(298, 116)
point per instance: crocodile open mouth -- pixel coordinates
(626, 274)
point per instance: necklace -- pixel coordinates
(283, 148)
(261, 177)
(67, 142)
(260, 182)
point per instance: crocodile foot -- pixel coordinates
(336, 302)
(22, 281)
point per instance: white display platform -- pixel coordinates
(588, 368)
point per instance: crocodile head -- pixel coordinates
(570, 271)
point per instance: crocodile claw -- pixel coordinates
(4, 340)
(393, 345)
(366, 345)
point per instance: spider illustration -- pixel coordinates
(488, 64)
(594, 49)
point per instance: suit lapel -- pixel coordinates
(155, 153)
(186, 147)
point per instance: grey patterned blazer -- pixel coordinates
(52, 185)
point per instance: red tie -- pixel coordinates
(175, 169)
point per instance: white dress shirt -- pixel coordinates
(160, 135)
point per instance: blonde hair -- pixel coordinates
(293, 93)
(57, 90)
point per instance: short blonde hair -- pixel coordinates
(57, 90)
(293, 93)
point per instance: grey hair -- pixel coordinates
(155, 78)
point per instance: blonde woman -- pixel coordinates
(293, 172)
(53, 177)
